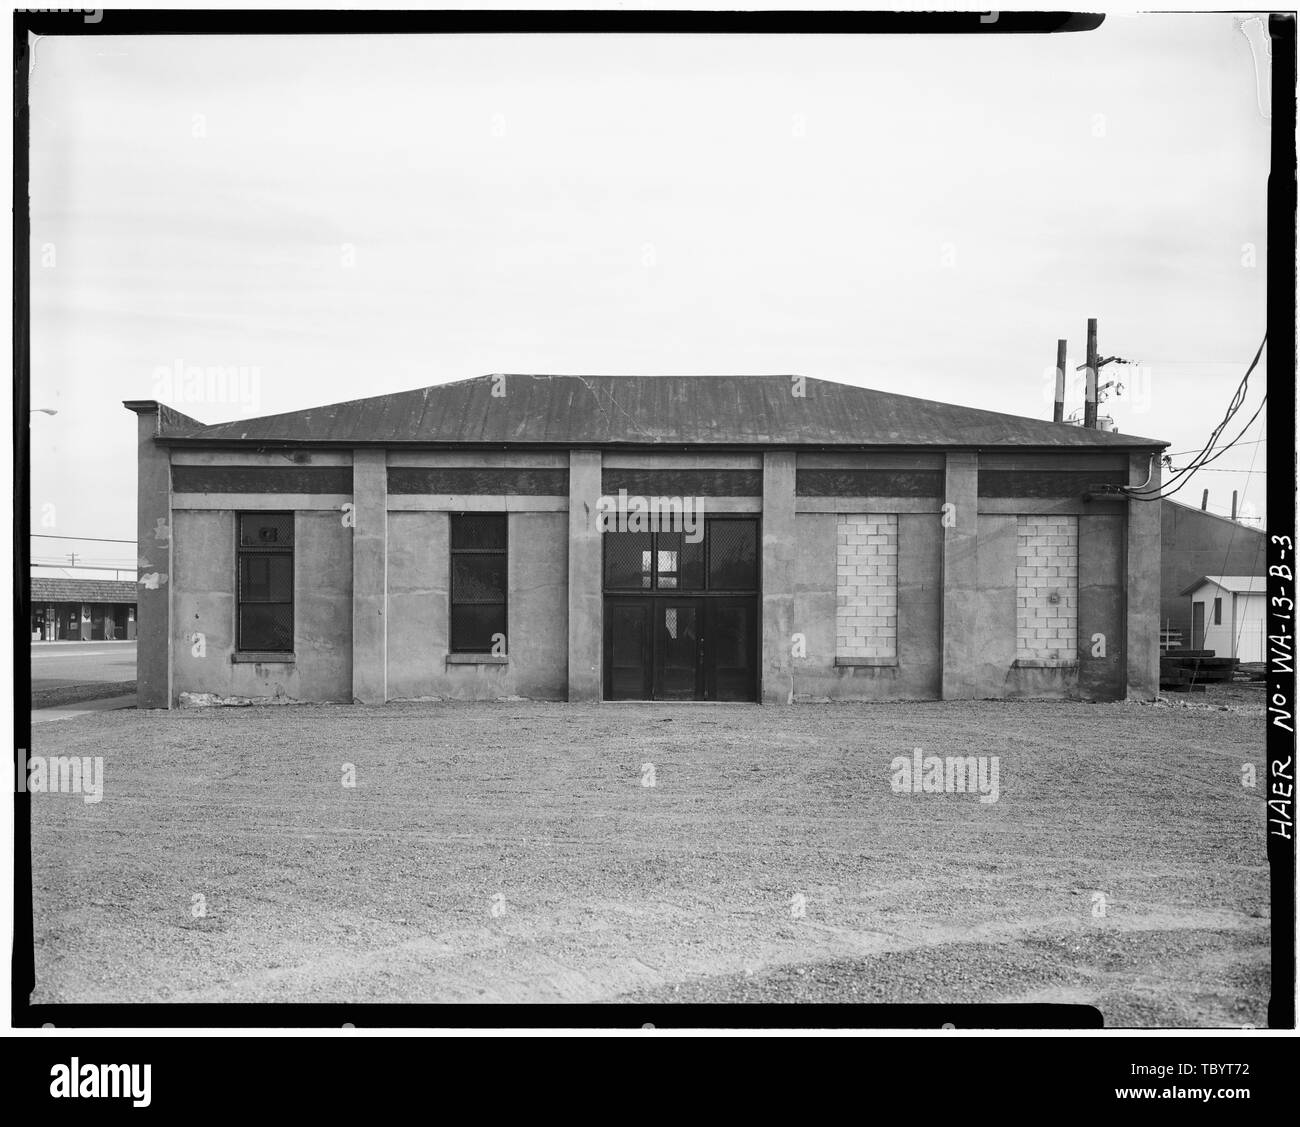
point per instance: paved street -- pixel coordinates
(59, 664)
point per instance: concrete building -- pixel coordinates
(489, 539)
(86, 610)
(1195, 543)
(1227, 615)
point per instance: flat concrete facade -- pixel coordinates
(1195, 543)
(372, 573)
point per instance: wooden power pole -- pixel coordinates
(1058, 407)
(1090, 395)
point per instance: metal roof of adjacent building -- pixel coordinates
(639, 411)
(1237, 584)
(55, 590)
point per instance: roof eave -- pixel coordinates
(183, 440)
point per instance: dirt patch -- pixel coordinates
(512, 852)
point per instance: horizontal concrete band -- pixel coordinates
(931, 505)
(656, 460)
(457, 503)
(1065, 506)
(419, 503)
(463, 503)
(276, 502)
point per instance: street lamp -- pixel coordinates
(43, 411)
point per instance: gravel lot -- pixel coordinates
(509, 852)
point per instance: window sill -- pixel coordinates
(1043, 663)
(251, 658)
(869, 662)
(477, 659)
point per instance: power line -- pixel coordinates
(88, 539)
(59, 566)
(1192, 468)
(1159, 492)
(1252, 442)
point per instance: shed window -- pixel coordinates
(265, 594)
(478, 583)
(1218, 612)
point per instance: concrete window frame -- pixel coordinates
(242, 551)
(463, 656)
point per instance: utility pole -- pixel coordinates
(1094, 365)
(1058, 406)
(1205, 499)
(1090, 394)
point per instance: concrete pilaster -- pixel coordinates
(777, 662)
(154, 557)
(959, 520)
(1142, 584)
(585, 584)
(370, 577)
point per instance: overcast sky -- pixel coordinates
(350, 216)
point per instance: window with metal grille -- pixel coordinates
(478, 583)
(629, 560)
(265, 592)
(725, 559)
(733, 555)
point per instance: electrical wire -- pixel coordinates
(1238, 398)
(1220, 454)
(1162, 491)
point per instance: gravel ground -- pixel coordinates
(509, 852)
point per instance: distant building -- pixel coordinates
(1227, 615)
(1193, 544)
(492, 538)
(87, 610)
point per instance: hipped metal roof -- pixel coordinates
(641, 411)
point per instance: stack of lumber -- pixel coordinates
(1183, 671)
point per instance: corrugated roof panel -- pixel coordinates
(658, 410)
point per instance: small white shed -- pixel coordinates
(1228, 615)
